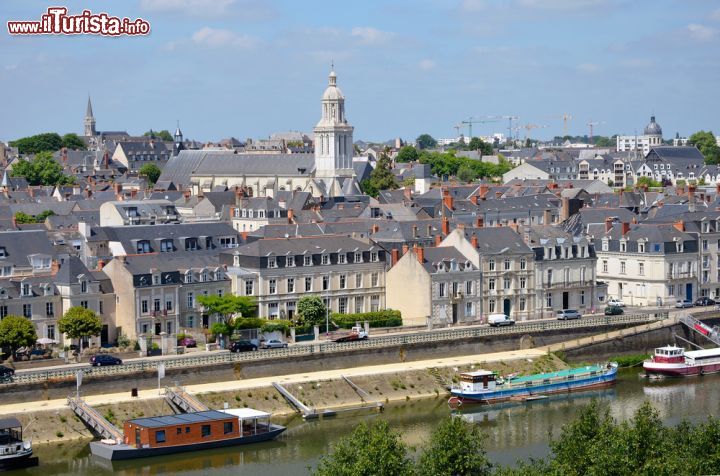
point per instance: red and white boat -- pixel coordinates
(672, 361)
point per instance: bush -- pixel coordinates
(386, 318)
(276, 325)
(123, 341)
(249, 323)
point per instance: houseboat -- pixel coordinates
(15, 453)
(163, 435)
(672, 361)
(487, 387)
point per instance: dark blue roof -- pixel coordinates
(181, 419)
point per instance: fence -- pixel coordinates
(375, 342)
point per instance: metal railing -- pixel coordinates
(321, 348)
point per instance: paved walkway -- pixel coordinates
(94, 400)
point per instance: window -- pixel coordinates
(26, 291)
(188, 277)
(325, 283)
(325, 260)
(549, 277)
(51, 331)
(84, 304)
(548, 300)
(49, 309)
(605, 266)
(523, 264)
(205, 431)
(143, 246)
(249, 287)
(641, 247)
(156, 305)
(375, 279)
(190, 300)
(168, 305)
(623, 246)
(166, 246)
(374, 303)
(272, 286)
(144, 306)
(641, 269)
(178, 431)
(291, 285)
(523, 283)
(342, 305)
(622, 267)
(160, 436)
(582, 275)
(3, 312)
(522, 303)
(358, 257)
(468, 288)
(374, 256)
(506, 264)
(491, 284)
(342, 258)
(83, 286)
(491, 305)
(272, 262)
(307, 260)
(100, 307)
(6, 271)
(671, 289)
(442, 289)
(582, 298)
(227, 427)
(491, 265)
(27, 310)
(156, 279)
(358, 280)
(204, 276)
(469, 309)
(506, 283)
(191, 244)
(290, 261)
(308, 284)
(343, 281)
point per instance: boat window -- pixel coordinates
(160, 436)
(593, 373)
(205, 430)
(228, 427)
(547, 380)
(187, 429)
(528, 384)
(571, 377)
(179, 430)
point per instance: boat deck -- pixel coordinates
(558, 374)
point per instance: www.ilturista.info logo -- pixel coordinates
(57, 22)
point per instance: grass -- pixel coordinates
(630, 360)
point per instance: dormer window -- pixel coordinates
(290, 261)
(272, 262)
(605, 245)
(358, 257)
(5, 271)
(83, 286)
(623, 246)
(641, 247)
(166, 246)
(325, 259)
(188, 277)
(204, 276)
(679, 246)
(236, 260)
(374, 256)
(307, 260)
(48, 290)
(132, 211)
(191, 244)
(26, 290)
(143, 246)
(3, 252)
(342, 258)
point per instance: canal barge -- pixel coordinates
(164, 435)
(487, 387)
(672, 361)
(15, 453)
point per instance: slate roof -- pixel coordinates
(21, 244)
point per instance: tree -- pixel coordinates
(79, 323)
(369, 450)
(162, 135)
(456, 447)
(311, 310)
(425, 141)
(46, 142)
(72, 141)
(477, 143)
(381, 178)
(466, 174)
(23, 218)
(151, 171)
(41, 170)
(16, 332)
(648, 181)
(407, 153)
(228, 305)
(602, 141)
(707, 144)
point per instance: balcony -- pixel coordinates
(567, 285)
(681, 275)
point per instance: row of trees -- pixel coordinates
(706, 142)
(47, 142)
(593, 444)
(467, 170)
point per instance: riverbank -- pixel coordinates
(52, 422)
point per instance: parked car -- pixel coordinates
(500, 320)
(615, 302)
(273, 344)
(613, 310)
(188, 342)
(704, 301)
(681, 304)
(568, 314)
(104, 359)
(242, 346)
(6, 372)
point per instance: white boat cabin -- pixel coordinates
(479, 381)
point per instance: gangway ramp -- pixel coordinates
(94, 420)
(710, 333)
(178, 398)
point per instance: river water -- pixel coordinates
(515, 431)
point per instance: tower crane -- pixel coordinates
(592, 124)
(566, 117)
(528, 128)
(478, 120)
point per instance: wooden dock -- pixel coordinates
(94, 420)
(179, 399)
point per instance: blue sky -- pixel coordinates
(247, 68)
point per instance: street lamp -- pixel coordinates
(327, 315)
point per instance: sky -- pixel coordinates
(248, 68)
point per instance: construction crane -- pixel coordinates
(528, 128)
(478, 120)
(592, 124)
(510, 120)
(566, 117)
(457, 128)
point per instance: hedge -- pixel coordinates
(386, 318)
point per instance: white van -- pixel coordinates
(500, 320)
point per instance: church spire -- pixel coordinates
(88, 112)
(89, 122)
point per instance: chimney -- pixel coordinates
(420, 253)
(375, 228)
(405, 248)
(473, 199)
(445, 226)
(634, 220)
(438, 240)
(514, 227)
(133, 193)
(407, 192)
(717, 188)
(565, 210)
(483, 190)
(498, 194)
(625, 228)
(291, 215)
(474, 241)
(100, 264)
(547, 217)
(447, 199)
(64, 155)
(479, 222)
(395, 255)
(679, 225)
(660, 204)
(118, 188)
(55, 267)
(608, 224)
(415, 231)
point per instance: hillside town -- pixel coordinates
(138, 228)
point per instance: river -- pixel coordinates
(514, 431)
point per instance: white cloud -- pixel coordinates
(371, 36)
(427, 64)
(715, 15)
(215, 38)
(588, 68)
(189, 7)
(473, 5)
(701, 32)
